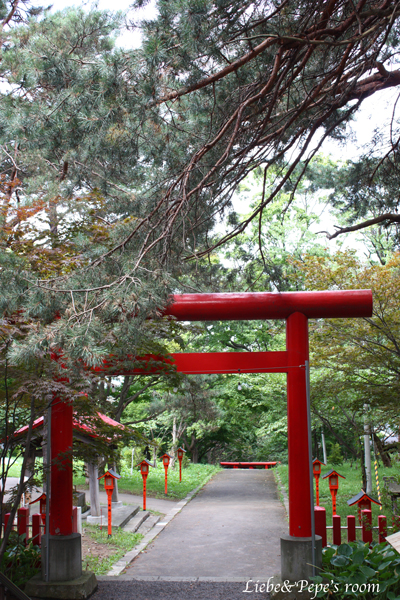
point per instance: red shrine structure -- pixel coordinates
(296, 308)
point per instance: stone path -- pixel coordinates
(231, 531)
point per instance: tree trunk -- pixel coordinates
(384, 455)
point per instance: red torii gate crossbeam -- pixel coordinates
(296, 308)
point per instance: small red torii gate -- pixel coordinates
(296, 308)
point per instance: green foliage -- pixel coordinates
(355, 570)
(20, 562)
(348, 487)
(120, 543)
(192, 476)
(335, 456)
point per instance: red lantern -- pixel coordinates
(166, 458)
(181, 452)
(109, 482)
(317, 472)
(144, 470)
(363, 502)
(333, 486)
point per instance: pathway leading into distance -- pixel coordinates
(231, 529)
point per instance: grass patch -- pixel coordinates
(192, 476)
(348, 488)
(119, 544)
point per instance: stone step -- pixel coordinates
(148, 524)
(119, 516)
(134, 523)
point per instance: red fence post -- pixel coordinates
(36, 529)
(366, 524)
(382, 526)
(320, 523)
(75, 519)
(6, 518)
(23, 522)
(337, 532)
(351, 528)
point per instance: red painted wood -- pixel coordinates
(266, 305)
(245, 465)
(36, 529)
(382, 526)
(320, 523)
(61, 468)
(299, 464)
(337, 532)
(197, 362)
(74, 519)
(23, 523)
(6, 519)
(366, 524)
(351, 528)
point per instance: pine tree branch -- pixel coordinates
(389, 217)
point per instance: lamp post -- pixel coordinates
(144, 470)
(317, 472)
(333, 486)
(109, 481)
(181, 451)
(166, 458)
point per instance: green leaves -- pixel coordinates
(357, 571)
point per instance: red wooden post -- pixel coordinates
(61, 468)
(351, 528)
(181, 452)
(299, 464)
(6, 519)
(366, 524)
(109, 515)
(36, 529)
(320, 523)
(23, 523)
(337, 532)
(75, 519)
(382, 526)
(144, 490)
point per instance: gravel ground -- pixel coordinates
(171, 590)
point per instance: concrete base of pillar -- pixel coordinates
(65, 557)
(75, 589)
(96, 520)
(296, 557)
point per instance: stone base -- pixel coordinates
(65, 557)
(296, 557)
(75, 589)
(96, 520)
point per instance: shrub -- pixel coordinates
(355, 570)
(335, 457)
(20, 562)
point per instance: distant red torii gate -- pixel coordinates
(296, 308)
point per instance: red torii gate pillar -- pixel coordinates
(296, 308)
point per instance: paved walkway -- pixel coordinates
(230, 530)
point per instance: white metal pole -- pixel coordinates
(307, 364)
(367, 450)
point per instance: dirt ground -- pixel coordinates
(89, 546)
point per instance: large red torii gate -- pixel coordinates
(296, 308)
